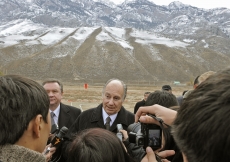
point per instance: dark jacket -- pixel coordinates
(67, 116)
(135, 151)
(139, 104)
(92, 118)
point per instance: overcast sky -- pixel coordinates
(207, 4)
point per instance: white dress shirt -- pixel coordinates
(56, 114)
(105, 115)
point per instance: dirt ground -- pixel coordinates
(91, 97)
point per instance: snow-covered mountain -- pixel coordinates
(136, 40)
(139, 14)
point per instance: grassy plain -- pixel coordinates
(80, 97)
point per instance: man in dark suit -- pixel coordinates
(63, 115)
(114, 93)
(107, 115)
(141, 103)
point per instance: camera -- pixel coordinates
(145, 135)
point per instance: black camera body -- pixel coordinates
(145, 135)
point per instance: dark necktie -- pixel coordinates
(52, 118)
(107, 124)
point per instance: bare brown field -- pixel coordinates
(91, 97)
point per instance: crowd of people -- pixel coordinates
(194, 126)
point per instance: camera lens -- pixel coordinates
(140, 142)
(135, 127)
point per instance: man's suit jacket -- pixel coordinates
(92, 118)
(67, 116)
(139, 104)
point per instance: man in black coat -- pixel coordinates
(68, 114)
(113, 96)
(141, 103)
(114, 93)
(92, 118)
(63, 115)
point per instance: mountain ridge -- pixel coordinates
(87, 40)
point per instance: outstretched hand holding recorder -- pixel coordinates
(56, 141)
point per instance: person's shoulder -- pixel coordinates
(124, 110)
(126, 116)
(89, 111)
(71, 108)
(142, 101)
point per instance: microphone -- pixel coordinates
(54, 128)
(119, 134)
(56, 141)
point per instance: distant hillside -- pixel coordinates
(100, 53)
(97, 40)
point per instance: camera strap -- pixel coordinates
(159, 120)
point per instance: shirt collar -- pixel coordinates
(56, 111)
(105, 115)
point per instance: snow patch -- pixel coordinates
(145, 37)
(55, 35)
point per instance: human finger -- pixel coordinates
(47, 146)
(146, 109)
(150, 156)
(52, 150)
(125, 134)
(167, 115)
(148, 120)
(50, 153)
(166, 153)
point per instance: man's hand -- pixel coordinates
(167, 115)
(125, 134)
(50, 153)
(151, 157)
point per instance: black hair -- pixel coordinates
(196, 80)
(21, 100)
(147, 92)
(201, 128)
(97, 145)
(162, 98)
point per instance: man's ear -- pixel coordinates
(37, 126)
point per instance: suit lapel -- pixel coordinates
(120, 119)
(97, 117)
(64, 116)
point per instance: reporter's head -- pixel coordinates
(24, 113)
(97, 145)
(201, 129)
